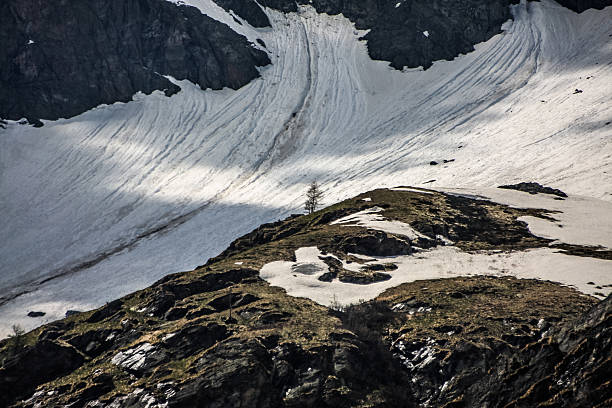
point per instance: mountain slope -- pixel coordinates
(104, 52)
(121, 195)
(222, 336)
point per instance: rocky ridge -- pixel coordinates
(221, 336)
(409, 33)
(107, 51)
(405, 33)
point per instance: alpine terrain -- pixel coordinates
(154, 161)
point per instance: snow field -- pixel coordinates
(584, 274)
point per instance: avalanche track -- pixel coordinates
(100, 205)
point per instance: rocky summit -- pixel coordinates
(223, 336)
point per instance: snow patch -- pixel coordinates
(411, 190)
(441, 262)
(371, 219)
(578, 220)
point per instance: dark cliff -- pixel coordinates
(60, 58)
(397, 27)
(581, 5)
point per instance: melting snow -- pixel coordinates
(300, 278)
(579, 220)
(371, 219)
(412, 190)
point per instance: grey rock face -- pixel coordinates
(59, 58)
(247, 10)
(581, 5)
(35, 365)
(408, 33)
(534, 188)
(571, 367)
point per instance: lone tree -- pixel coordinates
(313, 197)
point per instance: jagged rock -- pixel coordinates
(72, 312)
(396, 29)
(94, 342)
(176, 313)
(169, 290)
(102, 384)
(106, 311)
(270, 317)
(581, 5)
(571, 367)
(106, 51)
(534, 188)
(374, 243)
(247, 10)
(192, 339)
(361, 278)
(140, 359)
(242, 378)
(35, 365)
(139, 398)
(379, 267)
(335, 267)
(327, 277)
(237, 299)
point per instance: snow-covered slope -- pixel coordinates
(575, 221)
(102, 204)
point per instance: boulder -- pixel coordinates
(35, 365)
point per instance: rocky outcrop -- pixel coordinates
(247, 10)
(105, 51)
(581, 5)
(510, 359)
(34, 365)
(373, 243)
(534, 188)
(571, 366)
(407, 33)
(221, 336)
